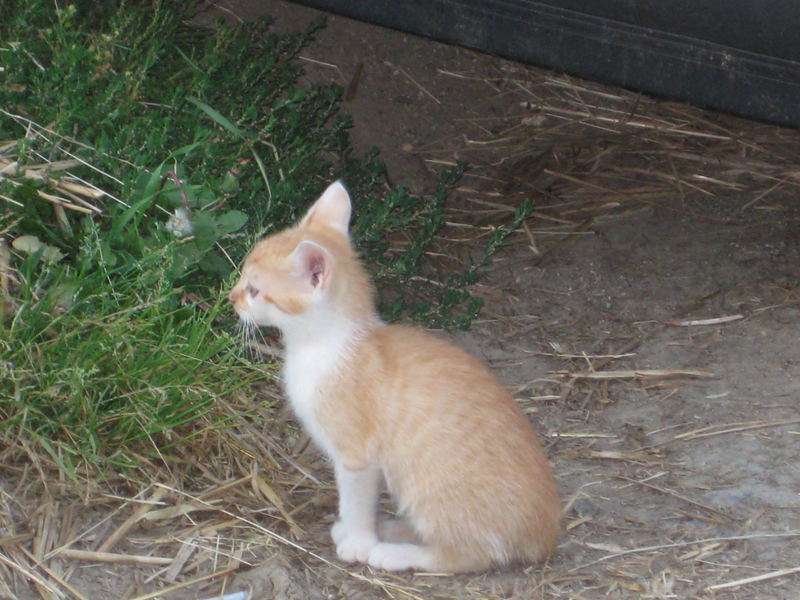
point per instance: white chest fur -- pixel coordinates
(307, 369)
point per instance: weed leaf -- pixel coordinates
(231, 221)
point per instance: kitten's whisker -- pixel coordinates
(254, 341)
(240, 332)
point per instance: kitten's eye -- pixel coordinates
(252, 291)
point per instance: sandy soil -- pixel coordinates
(674, 440)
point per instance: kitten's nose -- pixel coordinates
(234, 295)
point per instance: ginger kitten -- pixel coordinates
(462, 463)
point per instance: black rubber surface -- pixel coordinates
(738, 56)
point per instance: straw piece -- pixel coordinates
(418, 84)
(696, 322)
(186, 550)
(222, 489)
(80, 189)
(8, 167)
(754, 579)
(60, 580)
(713, 430)
(14, 540)
(28, 574)
(640, 457)
(179, 510)
(11, 201)
(637, 374)
(128, 524)
(260, 484)
(56, 165)
(61, 202)
(112, 557)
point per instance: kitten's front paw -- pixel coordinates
(338, 532)
(352, 546)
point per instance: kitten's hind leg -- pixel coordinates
(397, 531)
(401, 557)
(417, 557)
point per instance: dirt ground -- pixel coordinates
(646, 318)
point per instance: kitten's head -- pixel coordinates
(306, 272)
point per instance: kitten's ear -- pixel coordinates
(331, 209)
(312, 265)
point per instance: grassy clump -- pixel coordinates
(113, 331)
(88, 382)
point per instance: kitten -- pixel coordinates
(459, 458)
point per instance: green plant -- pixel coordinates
(168, 150)
(92, 378)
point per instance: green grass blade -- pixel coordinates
(218, 118)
